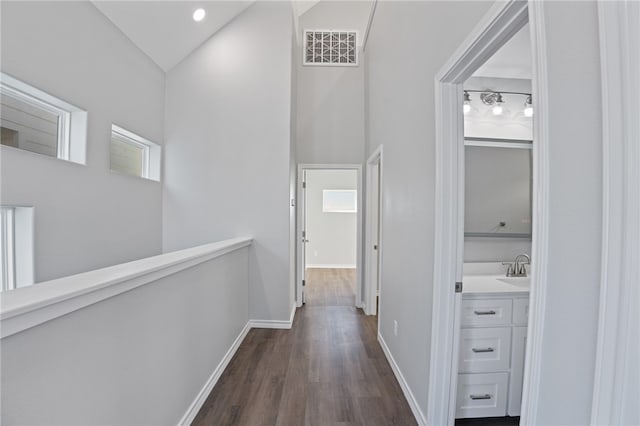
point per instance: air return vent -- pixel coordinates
(330, 48)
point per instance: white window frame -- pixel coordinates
(151, 152)
(7, 240)
(72, 121)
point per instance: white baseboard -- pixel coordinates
(280, 324)
(331, 266)
(415, 408)
(213, 379)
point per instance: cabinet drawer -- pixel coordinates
(520, 311)
(486, 312)
(484, 350)
(482, 395)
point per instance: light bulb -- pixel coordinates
(497, 108)
(198, 15)
(528, 107)
(466, 106)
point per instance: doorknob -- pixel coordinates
(375, 247)
(305, 240)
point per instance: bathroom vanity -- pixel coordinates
(493, 333)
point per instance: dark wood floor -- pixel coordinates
(328, 369)
(330, 287)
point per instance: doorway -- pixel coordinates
(450, 314)
(373, 235)
(329, 227)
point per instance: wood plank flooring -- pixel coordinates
(330, 287)
(327, 370)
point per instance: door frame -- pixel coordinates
(615, 391)
(369, 302)
(500, 23)
(300, 206)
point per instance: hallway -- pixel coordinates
(328, 369)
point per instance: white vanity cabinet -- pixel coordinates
(491, 354)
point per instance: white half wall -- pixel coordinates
(227, 160)
(408, 44)
(138, 358)
(332, 236)
(85, 216)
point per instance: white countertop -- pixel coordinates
(484, 284)
(487, 279)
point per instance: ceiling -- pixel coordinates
(513, 60)
(165, 30)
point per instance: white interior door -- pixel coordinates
(303, 235)
(375, 240)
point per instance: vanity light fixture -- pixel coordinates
(528, 107)
(496, 102)
(199, 15)
(466, 106)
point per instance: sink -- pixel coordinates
(519, 281)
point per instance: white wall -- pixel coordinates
(124, 360)
(408, 43)
(332, 236)
(330, 100)
(85, 216)
(227, 162)
(513, 125)
(575, 214)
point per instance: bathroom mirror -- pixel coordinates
(498, 184)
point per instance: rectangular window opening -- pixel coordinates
(339, 201)
(35, 121)
(133, 155)
(16, 247)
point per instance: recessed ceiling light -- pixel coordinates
(198, 15)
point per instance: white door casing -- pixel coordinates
(502, 21)
(300, 270)
(373, 234)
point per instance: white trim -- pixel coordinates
(300, 205)
(540, 218)
(406, 390)
(331, 266)
(30, 306)
(369, 293)
(197, 403)
(151, 151)
(615, 389)
(502, 21)
(277, 324)
(72, 124)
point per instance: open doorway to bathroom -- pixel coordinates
(329, 229)
(498, 144)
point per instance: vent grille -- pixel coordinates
(330, 48)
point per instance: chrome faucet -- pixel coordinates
(517, 268)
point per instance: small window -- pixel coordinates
(35, 121)
(339, 201)
(16, 247)
(334, 48)
(134, 155)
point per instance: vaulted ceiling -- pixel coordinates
(165, 30)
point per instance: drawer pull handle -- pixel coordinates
(480, 350)
(484, 312)
(475, 397)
